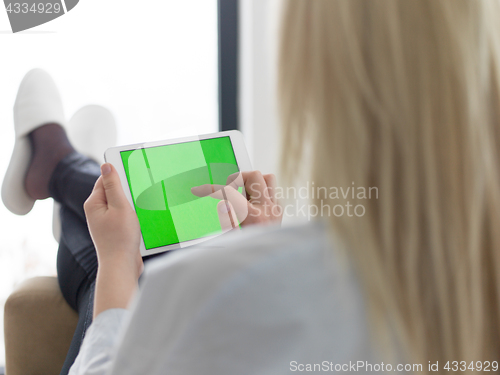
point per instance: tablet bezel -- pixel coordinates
(112, 155)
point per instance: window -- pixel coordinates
(154, 64)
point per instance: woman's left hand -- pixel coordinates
(115, 231)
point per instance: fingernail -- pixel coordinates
(223, 208)
(105, 169)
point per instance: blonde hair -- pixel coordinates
(403, 95)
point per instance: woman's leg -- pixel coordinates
(58, 171)
(71, 183)
(78, 289)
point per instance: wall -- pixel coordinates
(259, 20)
(259, 31)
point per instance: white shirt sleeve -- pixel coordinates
(99, 344)
(256, 305)
(251, 304)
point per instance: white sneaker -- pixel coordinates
(37, 103)
(91, 131)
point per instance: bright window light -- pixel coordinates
(152, 63)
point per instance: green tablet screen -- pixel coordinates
(160, 180)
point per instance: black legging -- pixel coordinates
(70, 185)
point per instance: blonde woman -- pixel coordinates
(404, 96)
(401, 95)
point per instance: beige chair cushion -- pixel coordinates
(39, 326)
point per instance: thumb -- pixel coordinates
(227, 216)
(112, 186)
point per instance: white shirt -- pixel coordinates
(258, 301)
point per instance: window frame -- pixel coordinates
(228, 33)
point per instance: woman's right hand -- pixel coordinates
(260, 205)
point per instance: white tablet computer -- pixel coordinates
(157, 178)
